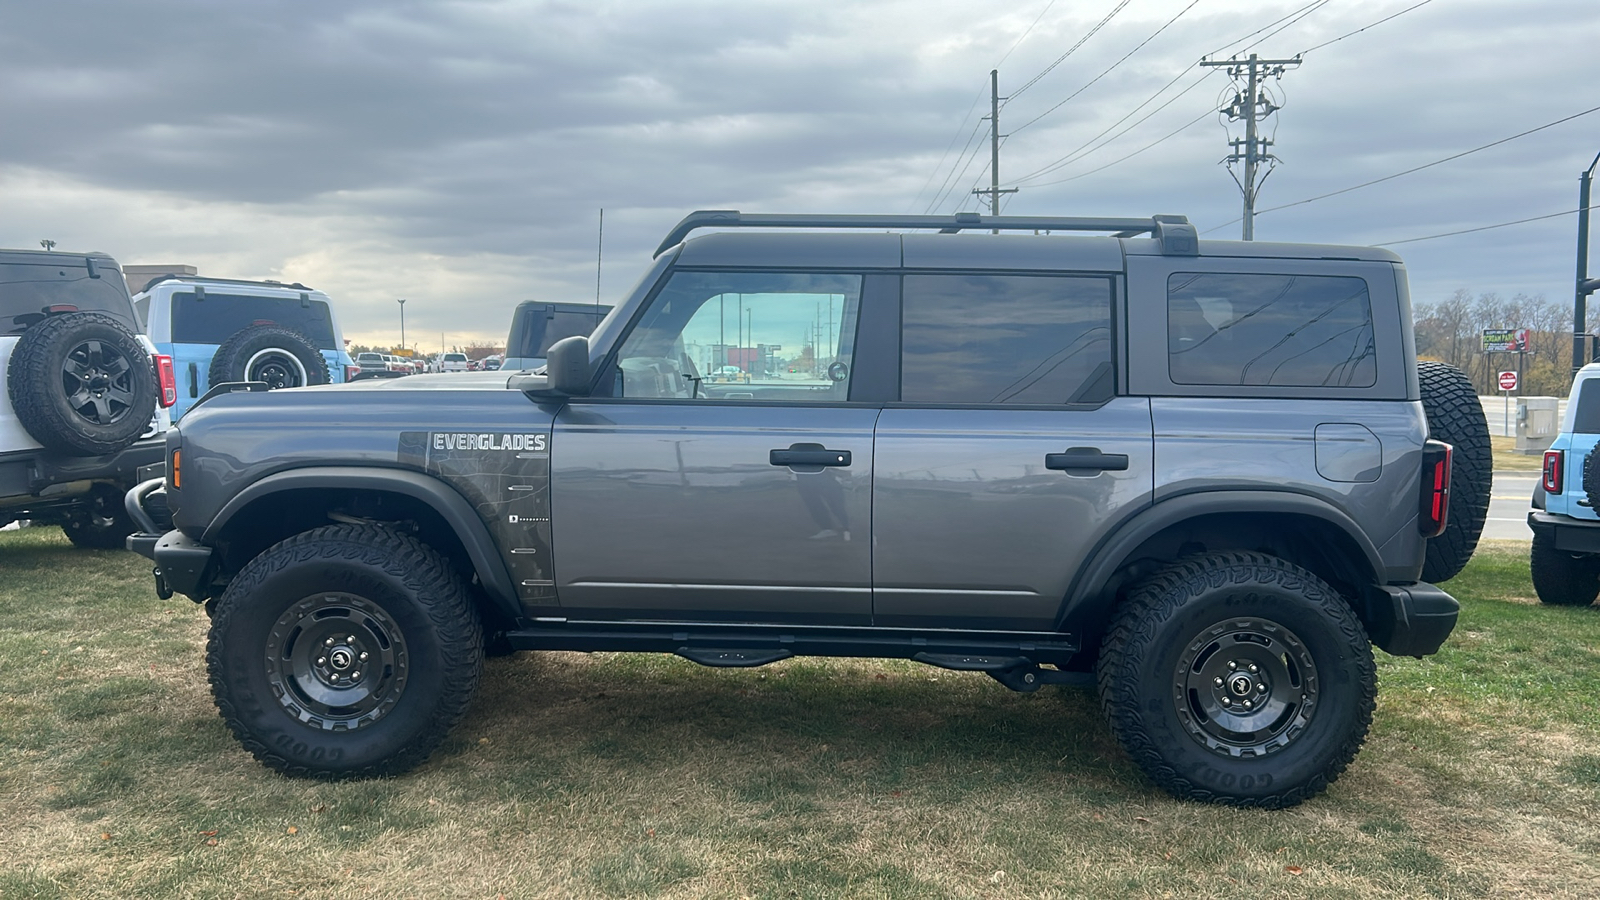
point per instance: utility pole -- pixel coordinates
(1252, 105)
(1585, 284)
(994, 191)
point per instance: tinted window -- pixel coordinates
(25, 292)
(537, 327)
(783, 337)
(216, 318)
(1587, 421)
(1006, 339)
(1293, 330)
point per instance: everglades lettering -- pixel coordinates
(490, 441)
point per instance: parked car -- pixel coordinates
(84, 396)
(454, 362)
(1202, 475)
(536, 324)
(218, 330)
(1565, 558)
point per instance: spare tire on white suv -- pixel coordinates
(80, 384)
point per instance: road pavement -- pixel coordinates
(1509, 501)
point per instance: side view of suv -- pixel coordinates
(83, 395)
(1197, 474)
(220, 330)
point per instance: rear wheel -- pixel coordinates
(1238, 678)
(1559, 577)
(102, 523)
(346, 651)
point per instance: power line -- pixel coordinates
(1307, 8)
(1482, 228)
(958, 175)
(1280, 29)
(1192, 122)
(1108, 69)
(1430, 165)
(1073, 49)
(1024, 34)
(953, 139)
(1359, 30)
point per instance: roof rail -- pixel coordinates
(1177, 236)
(296, 286)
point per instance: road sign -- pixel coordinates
(1508, 381)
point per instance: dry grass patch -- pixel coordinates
(615, 775)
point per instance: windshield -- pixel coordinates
(26, 291)
(217, 317)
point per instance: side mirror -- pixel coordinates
(567, 366)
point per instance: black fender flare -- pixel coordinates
(443, 499)
(1107, 558)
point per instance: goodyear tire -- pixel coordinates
(1560, 578)
(81, 384)
(281, 357)
(1456, 417)
(348, 651)
(1238, 678)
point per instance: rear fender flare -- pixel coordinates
(1080, 605)
(443, 499)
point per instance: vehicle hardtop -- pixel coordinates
(223, 329)
(1205, 476)
(536, 324)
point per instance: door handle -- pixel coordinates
(808, 455)
(1086, 459)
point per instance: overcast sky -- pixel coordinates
(457, 154)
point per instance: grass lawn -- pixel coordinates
(614, 775)
(1507, 459)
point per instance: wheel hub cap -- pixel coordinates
(1245, 687)
(337, 661)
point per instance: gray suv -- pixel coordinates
(1197, 474)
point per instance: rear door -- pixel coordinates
(1009, 454)
(676, 497)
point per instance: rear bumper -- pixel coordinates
(139, 461)
(1567, 533)
(1411, 619)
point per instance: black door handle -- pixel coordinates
(1086, 459)
(809, 455)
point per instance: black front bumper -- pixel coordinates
(1567, 533)
(183, 565)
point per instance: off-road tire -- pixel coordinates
(1591, 476)
(102, 523)
(81, 384)
(401, 602)
(1202, 613)
(282, 357)
(1456, 417)
(1560, 578)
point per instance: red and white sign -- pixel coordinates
(1508, 381)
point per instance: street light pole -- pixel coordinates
(402, 302)
(1585, 285)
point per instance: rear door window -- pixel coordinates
(28, 291)
(1282, 330)
(217, 317)
(1006, 339)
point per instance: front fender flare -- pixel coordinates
(443, 499)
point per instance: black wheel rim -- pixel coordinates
(336, 661)
(98, 380)
(276, 371)
(1246, 687)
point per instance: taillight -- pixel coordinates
(1434, 508)
(1554, 462)
(167, 379)
(350, 373)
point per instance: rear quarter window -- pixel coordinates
(1278, 330)
(26, 291)
(1587, 419)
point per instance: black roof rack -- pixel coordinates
(296, 286)
(1177, 236)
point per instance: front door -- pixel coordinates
(727, 475)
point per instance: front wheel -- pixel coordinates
(346, 651)
(1238, 678)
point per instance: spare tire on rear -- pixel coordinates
(1456, 417)
(81, 384)
(279, 356)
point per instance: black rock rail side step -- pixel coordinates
(736, 659)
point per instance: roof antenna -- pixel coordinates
(599, 249)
